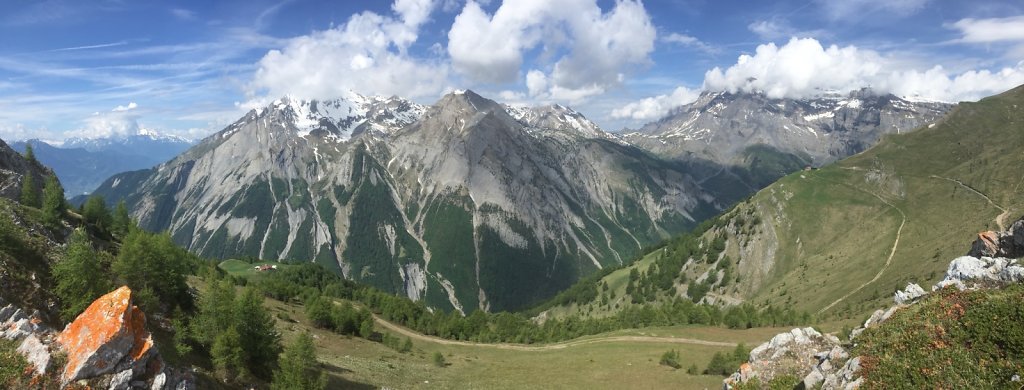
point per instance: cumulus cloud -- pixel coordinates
(116, 123)
(803, 67)
(656, 107)
(591, 50)
(991, 30)
(367, 54)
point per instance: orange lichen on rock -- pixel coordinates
(143, 342)
(107, 333)
(987, 244)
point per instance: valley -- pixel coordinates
(615, 360)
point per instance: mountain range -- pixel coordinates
(459, 203)
(839, 240)
(82, 164)
(753, 131)
(467, 204)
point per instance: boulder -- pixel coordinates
(110, 334)
(1017, 235)
(36, 353)
(986, 244)
(910, 294)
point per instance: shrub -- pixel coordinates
(671, 358)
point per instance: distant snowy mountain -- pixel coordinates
(82, 164)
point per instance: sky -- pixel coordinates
(100, 68)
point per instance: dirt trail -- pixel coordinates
(899, 232)
(999, 218)
(547, 347)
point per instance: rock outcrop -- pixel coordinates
(1009, 243)
(785, 354)
(35, 337)
(13, 169)
(967, 272)
(107, 346)
(110, 336)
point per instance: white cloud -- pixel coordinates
(656, 107)
(536, 82)
(937, 83)
(19, 132)
(802, 68)
(414, 12)
(688, 41)
(778, 28)
(857, 9)
(770, 29)
(991, 30)
(108, 124)
(590, 49)
(367, 54)
(129, 107)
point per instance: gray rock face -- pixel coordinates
(721, 126)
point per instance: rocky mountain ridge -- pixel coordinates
(722, 126)
(462, 203)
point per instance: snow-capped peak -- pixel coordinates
(556, 117)
(346, 116)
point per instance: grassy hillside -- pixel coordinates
(960, 339)
(838, 241)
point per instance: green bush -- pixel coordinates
(670, 358)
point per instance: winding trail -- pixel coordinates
(888, 261)
(999, 218)
(547, 347)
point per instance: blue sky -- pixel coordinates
(98, 68)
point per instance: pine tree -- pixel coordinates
(80, 277)
(53, 202)
(153, 261)
(260, 341)
(29, 192)
(121, 221)
(228, 356)
(216, 311)
(95, 212)
(298, 368)
(30, 154)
